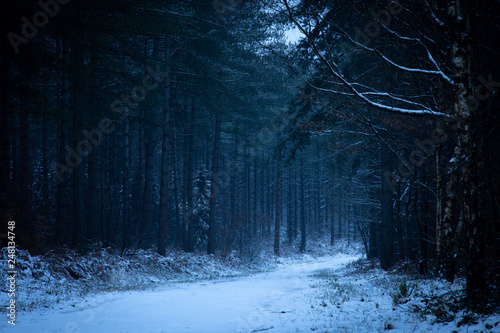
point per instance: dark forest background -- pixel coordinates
(195, 125)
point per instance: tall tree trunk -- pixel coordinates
(254, 208)
(248, 195)
(330, 205)
(165, 154)
(387, 225)
(146, 211)
(93, 215)
(232, 183)
(126, 186)
(340, 209)
(189, 180)
(25, 200)
(399, 222)
(178, 183)
(277, 217)
(295, 231)
(60, 190)
(372, 243)
(424, 232)
(45, 145)
(269, 210)
(78, 151)
(289, 221)
(317, 201)
(6, 189)
(213, 185)
(468, 157)
(439, 198)
(302, 208)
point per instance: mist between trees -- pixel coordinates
(197, 126)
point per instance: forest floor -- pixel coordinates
(325, 291)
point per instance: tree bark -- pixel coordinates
(302, 209)
(387, 224)
(165, 159)
(277, 217)
(126, 187)
(399, 223)
(61, 142)
(79, 102)
(468, 157)
(189, 180)
(214, 186)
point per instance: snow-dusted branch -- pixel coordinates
(437, 71)
(335, 71)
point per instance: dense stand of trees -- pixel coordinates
(154, 125)
(417, 81)
(193, 125)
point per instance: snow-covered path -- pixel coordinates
(265, 302)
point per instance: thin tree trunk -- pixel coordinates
(60, 190)
(295, 204)
(302, 209)
(330, 210)
(45, 144)
(277, 217)
(386, 245)
(93, 215)
(165, 159)
(190, 152)
(126, 186)
(439, 198)
(185, 214)
(5, 145)
(232, 183)
(399, 222)
(214, 186)
(79, 102)
(25, 206)
(289, 221)
(178, 218)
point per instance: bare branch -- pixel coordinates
(335, 71)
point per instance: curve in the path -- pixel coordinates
(265, 302)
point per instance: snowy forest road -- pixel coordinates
(266, 302)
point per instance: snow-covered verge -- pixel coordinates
(360, 297)
(324, 294)
(46, 280)
(49, 280)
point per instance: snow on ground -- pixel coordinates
(324, 295)
(361, 299)
(307, 293)
(272, 300)
(62, 275)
